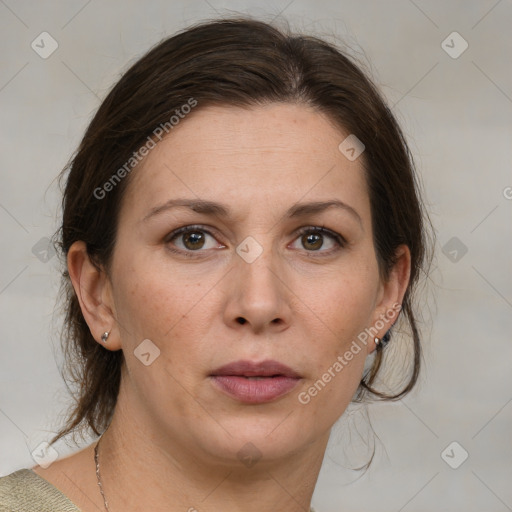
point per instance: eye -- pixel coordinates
(314, 238)
(192, 239)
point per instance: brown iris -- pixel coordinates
(314, 240)
(193, 240)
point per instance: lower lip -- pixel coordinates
(251, 391)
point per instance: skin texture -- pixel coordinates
(175, 439)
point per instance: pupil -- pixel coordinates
(314, 240)
(195, 240)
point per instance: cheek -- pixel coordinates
(327, 394)
(166, 306)
(152, 304)
(343, 307)
(148, 295)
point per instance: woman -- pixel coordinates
(242, 228)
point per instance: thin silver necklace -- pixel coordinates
(98, 478)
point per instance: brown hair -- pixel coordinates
(241, 62)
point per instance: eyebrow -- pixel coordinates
(220, 210)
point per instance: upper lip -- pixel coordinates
(245, 368)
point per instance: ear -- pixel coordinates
(93, 289)
(391, 294)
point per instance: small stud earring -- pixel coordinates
(104, 336)
(382, 342)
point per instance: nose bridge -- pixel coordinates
(258, 275)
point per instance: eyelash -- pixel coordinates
(340, 240)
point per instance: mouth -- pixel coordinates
(255, 383)
(250, 369)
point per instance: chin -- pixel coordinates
(248, 440)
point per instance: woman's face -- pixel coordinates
(254, 278)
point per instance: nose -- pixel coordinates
(258, 296)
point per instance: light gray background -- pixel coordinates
(457, 116)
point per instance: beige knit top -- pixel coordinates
(26, 491)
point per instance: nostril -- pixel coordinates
(241, 320)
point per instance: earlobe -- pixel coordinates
(91, 286)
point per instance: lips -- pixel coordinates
(266, 368)
(255, 382)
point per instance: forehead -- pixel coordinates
(272, 154)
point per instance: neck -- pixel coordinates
(141, 469)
